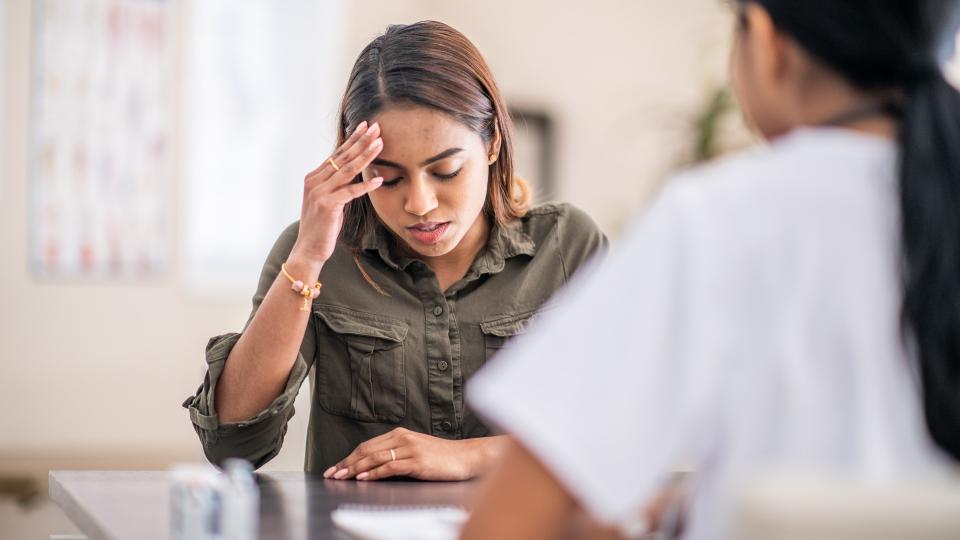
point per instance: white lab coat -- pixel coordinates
(749, 320)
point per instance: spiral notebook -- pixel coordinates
(374, 522)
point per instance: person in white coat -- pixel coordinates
(796, 306)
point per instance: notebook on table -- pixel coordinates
(374, 522)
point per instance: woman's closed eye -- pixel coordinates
(393, 182)
(442, 176)
(448, 176)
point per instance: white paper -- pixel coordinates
(400, 522)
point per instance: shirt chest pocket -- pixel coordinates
(360, 365)
(499, 330)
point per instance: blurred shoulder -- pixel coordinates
(561, 218)
(567, 230)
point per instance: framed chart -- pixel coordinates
(101, 148)
(535, 149)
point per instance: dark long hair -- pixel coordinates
(432, 65)
(884, 45)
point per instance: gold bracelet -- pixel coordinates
(308, 293)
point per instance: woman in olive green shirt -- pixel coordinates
(429, 260)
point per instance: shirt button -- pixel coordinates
(438, 311)
(446, 425)
(443, 365)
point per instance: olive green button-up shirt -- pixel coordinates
(398, 357)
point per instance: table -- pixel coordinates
(119, 505)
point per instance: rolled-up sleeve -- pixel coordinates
(259, 438)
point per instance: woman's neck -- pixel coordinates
(839, 105)
(451, 267)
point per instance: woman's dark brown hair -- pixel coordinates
(431, 65)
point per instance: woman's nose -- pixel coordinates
(421, 198)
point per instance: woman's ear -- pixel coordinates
(768, 46)
(493, 152)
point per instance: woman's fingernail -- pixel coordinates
(376, 181)
(363, 476)
(361, 126)
(375, 125)
(341, 473)
(328, 472)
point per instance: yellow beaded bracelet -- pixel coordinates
(308, 293)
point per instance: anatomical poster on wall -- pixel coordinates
(101, 128)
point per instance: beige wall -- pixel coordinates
(94, 367)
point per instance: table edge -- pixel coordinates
(67, 502)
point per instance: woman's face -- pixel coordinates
(435, 174)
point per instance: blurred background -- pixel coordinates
(152, 150)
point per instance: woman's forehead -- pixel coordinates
(412, 134)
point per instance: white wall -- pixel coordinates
(88, 368)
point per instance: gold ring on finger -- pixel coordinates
(333, 164)
(393, 455)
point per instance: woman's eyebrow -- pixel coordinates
(385, 163)
(442, 155)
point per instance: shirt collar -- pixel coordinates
(505, 242)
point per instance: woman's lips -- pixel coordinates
(428, 233)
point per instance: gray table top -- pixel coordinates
(117, 505)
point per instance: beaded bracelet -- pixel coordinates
(308, 293)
